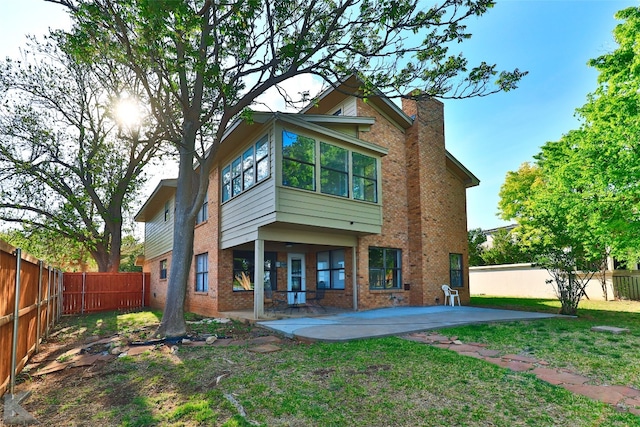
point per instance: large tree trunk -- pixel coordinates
(173, 323)
(115, 247)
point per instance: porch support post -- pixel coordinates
(258, 288)
(354, 278)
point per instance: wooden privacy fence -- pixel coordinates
(30, 304)
(627, 286)
(93, 292)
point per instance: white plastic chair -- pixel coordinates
(450, 296)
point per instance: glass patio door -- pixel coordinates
(296, 279)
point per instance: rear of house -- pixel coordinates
(358, 198)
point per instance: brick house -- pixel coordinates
(358, 198)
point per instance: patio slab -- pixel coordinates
(391, 321)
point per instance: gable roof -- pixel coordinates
(165, 189)
(351, 87)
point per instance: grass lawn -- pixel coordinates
(375, 382)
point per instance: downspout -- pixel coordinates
(354, 277)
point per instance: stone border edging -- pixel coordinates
(622, 397)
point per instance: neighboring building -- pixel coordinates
(490, 233)
(360, 198)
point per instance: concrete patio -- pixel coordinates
(390, 321)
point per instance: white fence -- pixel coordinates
(523, 280)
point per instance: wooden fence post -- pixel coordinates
(39, 310)
(59, 314)
(46, 329)
(82, 296)
(16, 317)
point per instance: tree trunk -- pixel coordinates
(173, 323)
(115, 247)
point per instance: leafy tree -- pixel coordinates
(202, 64)
(583, 203)
(475, 239)
(48, 246)
(68, 169)
(506, 248)
(131, 248)
(545, 205)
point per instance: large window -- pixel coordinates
(330, 269)
(385, 268)
(163, 269)
(202, 273)
(365, 178)
(244, 270)
(306, 161)
(298, 161)
(334, 170)
(246, 170)
(455, 270)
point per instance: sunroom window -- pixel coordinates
(334, 170)
(298, 161)
(246, 170)
(365, 178)
(339, 171)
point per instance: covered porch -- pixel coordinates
(307, 272)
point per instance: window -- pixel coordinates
(163, 269)
(334, 170)
(365, 175)
(262, 159)
(304, 157)
(385, 268)
(202, 273)
(331, 269)
(244, 270)
(236, 177)
(455, 270)
(166, 210)
(203, 213)
(298, 161)
(246, 170)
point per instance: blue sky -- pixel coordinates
(552, 39)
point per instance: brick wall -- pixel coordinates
(424, 208)
(158, 287)
(437, 208)
(394, 210)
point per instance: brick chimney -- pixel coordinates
(428, 193)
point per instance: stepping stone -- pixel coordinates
(471, 354)
(632, 403)
(437, 338)
(51, 367)
(519, 358)
(265, 348)
(488, 353)
(85, 360)
(555, 377)
(269, 339)
(223, 342)
(626, 391)
(138, 349)
(517, 366)
(610, 329)
(465, 348)
(597, 392)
